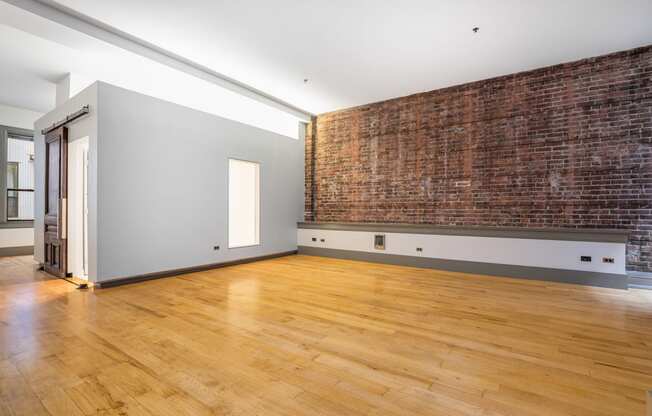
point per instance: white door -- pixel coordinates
(85, 211)
(78, 207)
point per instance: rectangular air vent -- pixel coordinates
(379, 241)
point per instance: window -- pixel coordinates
(244, 203)
(12, 193)
(20, 178)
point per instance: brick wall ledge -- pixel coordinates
(562, 234)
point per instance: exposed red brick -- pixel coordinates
(563, 146)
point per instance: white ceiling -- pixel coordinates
(352, 52)
(36, 52)
(356, 52)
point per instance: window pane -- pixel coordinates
(12, 194)
(20, 175)
(12, 175)
(244, 203)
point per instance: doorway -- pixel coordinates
(78, 208)
(56, 189)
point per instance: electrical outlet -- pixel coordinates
(314, 239)
(322, 240)
(585, 259)
(607, 259)
(419, 249)
(379, 241)
(216, 248)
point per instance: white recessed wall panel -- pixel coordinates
(244, 203)
(553, 254)
(16, 237)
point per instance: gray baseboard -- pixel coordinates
(609, 280)
(640, 280)
(16, 251)
(640, 275)
(176, 272)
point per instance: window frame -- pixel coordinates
(258, 208)
(15, 133)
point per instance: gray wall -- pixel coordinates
(162, 185)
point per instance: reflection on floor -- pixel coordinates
(20, 270)
(313, 336)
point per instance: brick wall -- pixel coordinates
(563, 146)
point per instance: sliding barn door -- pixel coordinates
(56, 193)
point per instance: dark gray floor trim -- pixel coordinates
(564, 234)
(635, 286)
(176, 272)
(640, 280)
(615, 281)
(640, 275)
(16, 251)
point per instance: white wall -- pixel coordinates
(553, 254)
(162, 185)
(18, 117)
(83, 127)
(16, 237)
(71, 85)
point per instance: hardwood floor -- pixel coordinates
(306, 335)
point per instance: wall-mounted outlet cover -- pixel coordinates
(379, 241)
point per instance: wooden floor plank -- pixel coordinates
(303, 335)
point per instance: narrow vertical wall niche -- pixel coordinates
(244, 203)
